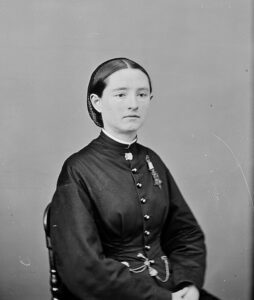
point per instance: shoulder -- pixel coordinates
(75, 165)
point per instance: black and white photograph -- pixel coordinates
(126, 158)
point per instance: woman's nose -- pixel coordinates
(133, 103)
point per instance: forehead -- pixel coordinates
(127, 78)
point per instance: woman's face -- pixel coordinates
(124, 102)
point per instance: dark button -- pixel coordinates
(143, 200)
(147, 247)
(147, 232)
(146, 217)
(139, 185)
(134, 170)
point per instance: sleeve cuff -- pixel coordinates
(184, 277)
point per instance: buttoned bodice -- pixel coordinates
(129, 209)
(116, 204)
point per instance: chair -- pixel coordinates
(56, 286)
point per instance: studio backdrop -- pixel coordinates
(198, 53)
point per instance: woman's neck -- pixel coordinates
(123, 139)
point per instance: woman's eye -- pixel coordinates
(120, 95)
(142, 95)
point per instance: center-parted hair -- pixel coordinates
(98, 83)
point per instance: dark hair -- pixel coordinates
(97, 82)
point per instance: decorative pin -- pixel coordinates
(156, 178)
(128, 156)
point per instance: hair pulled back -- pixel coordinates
(97, 82)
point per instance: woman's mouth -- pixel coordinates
(132, 116)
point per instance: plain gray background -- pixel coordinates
(198, 53)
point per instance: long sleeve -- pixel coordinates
(84, 269)
(183, 241)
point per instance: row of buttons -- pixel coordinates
(143, 201)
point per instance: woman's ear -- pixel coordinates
(96, 102)
(151, 96)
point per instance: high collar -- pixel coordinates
(110, 143)
(118, 140)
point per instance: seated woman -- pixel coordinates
(120, 227)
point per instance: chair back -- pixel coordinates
(56, 285)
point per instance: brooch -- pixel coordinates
(128, 156)
(156, 178)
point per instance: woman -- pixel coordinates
(120, 227)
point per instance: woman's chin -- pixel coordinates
(133, 124)
(132, 128)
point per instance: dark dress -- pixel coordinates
(120, 227)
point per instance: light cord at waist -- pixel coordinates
(147, 265)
